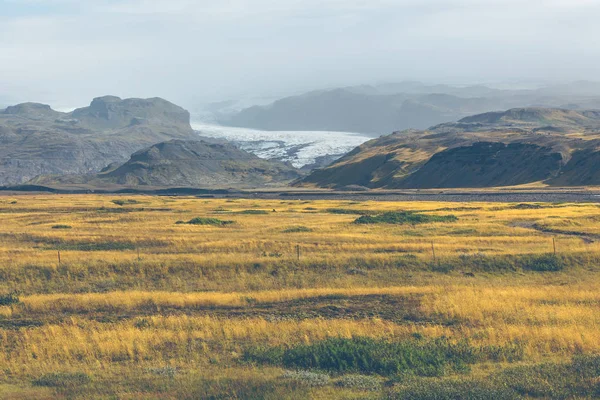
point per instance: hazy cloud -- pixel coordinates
(66, 51)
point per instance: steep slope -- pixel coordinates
(179, 163)
(36, 140)
(494, 149)
(582, 170)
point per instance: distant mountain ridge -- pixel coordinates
(518, 146)
(381, 109)
(37, 140)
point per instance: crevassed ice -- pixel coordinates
(298, 147)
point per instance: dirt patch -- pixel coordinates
(397, 309)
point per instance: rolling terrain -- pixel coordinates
(520, 146)
(179, 163)
(154, 297)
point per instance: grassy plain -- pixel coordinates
(141, 306)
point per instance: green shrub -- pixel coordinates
(208, 221)
(63, 379)
(122, 202)
(9, 299)
(62, 227)
(297, 229)
(368, 356)
(526, 206)
(404, 217)
(544, 263)
(254, 212)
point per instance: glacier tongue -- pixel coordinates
(301, 148)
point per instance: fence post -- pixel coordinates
(433, 252)
(298, 251)
(554, 245)
(58, 257)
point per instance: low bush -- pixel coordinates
(122, 202)
(404, 218)
(9, 299)
(544, 263)
(370, 356)
(62, 227)
(206, 221)
(254, 212)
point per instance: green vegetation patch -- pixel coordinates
(404, 218)
(544, 263)
(527, 206)
(369, 356)
(577, 379)
(96, 246)
(63, 380)
(254, 212)
(206, 221)
(122, 202)
(9, 299)
(62, 227)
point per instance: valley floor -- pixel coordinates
(147, 297)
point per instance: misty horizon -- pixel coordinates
(64, 52)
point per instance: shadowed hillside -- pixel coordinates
(187, 164)
(515, 147)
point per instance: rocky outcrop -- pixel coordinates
(36, 140)
(179, 163)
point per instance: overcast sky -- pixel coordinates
(64, 52)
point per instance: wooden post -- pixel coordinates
(433, 252)
(554, 245)
(298, 251)
(58, 257)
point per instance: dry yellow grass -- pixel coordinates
(105, 310)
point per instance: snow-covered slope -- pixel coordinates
(301, 148)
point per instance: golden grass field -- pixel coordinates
(140, 307)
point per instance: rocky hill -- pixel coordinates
(36, 140)
(519, 146)
(179, 163)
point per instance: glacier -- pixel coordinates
(300, 148)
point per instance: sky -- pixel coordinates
(65, 52)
